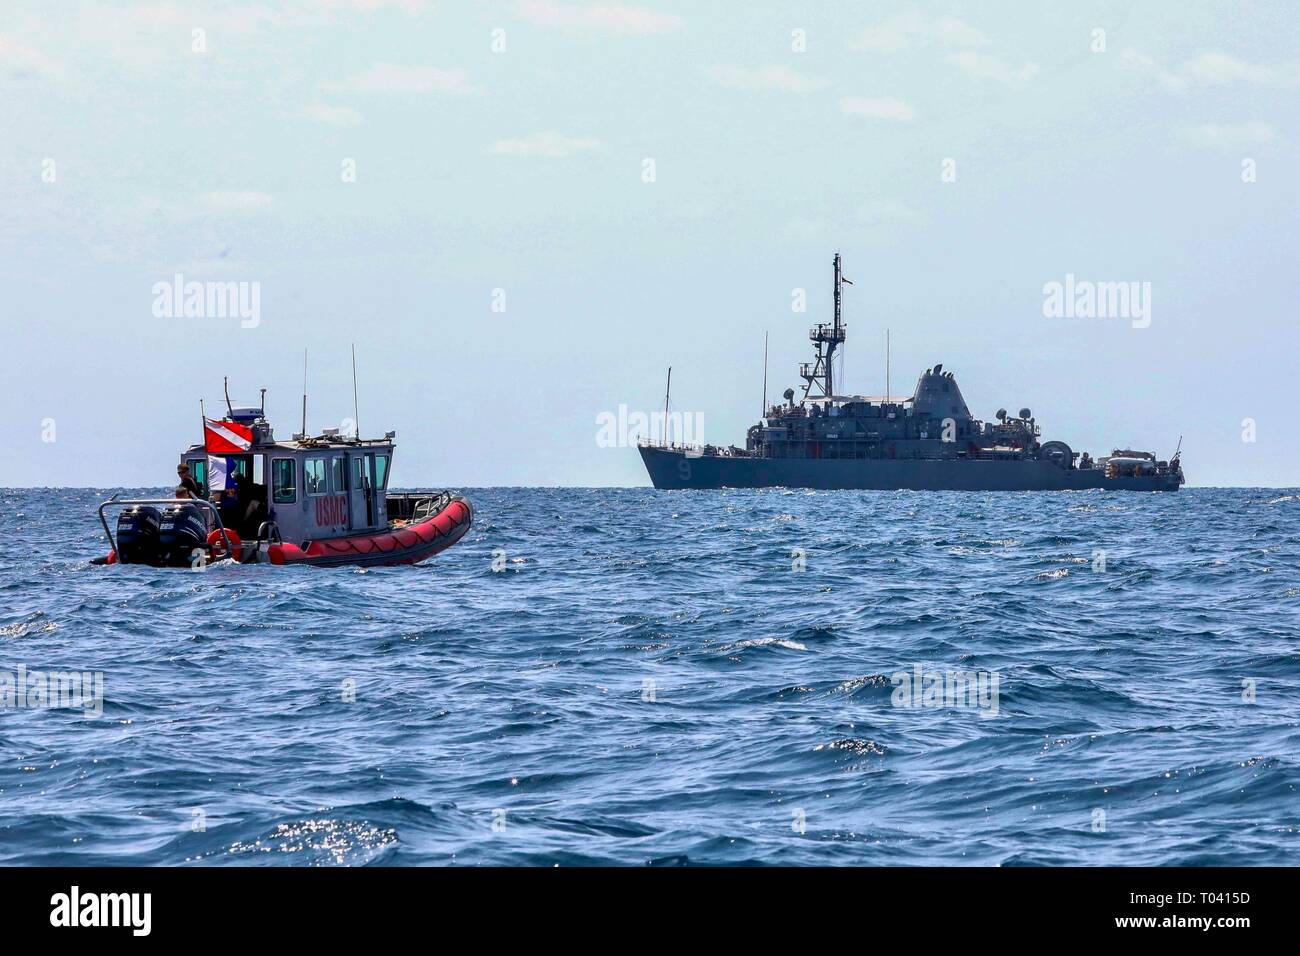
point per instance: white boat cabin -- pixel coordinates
(308, 489)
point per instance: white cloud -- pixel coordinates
(252, 18)
(891, 36)
(233, 201)
(956, 32)
(1231, 138)
(614, 18)
(762, 79)
(987, 67)
(153, 37)
(249, 18)
(549, 143)
(1213, 69)
(392, 78)
(17, 58)
(413, 8)
(885, 108)
(1216, 69)
(898, 33)
(334, 115)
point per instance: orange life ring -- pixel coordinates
(217, 546)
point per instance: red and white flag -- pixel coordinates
(227, 438)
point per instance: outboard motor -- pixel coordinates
(183, 529)
(137, 535)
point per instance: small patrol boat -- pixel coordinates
(313, 500)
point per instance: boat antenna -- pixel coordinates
(356, 420)
(304, 393)
(225, 384)
(262, 403)
(888, 397)
(667, 392)
(830, 351)
(764, 414)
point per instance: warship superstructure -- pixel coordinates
(929, 441)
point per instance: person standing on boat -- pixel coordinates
(247, 504)
(227, 503)
(187, 481)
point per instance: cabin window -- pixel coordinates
(283, 485)
(199, 472)
(381, 471)
(359, 472)
(313, 471)
(338, 474)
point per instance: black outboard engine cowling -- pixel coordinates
(183, 529)
(137, 535)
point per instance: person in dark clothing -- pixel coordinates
(248, 507)
(184, 477)
(227, 504)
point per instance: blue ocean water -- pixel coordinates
(625, 676)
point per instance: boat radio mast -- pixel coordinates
(667, 391)
(356, 415)
(304, 393)
(764, 415)
(827, 336)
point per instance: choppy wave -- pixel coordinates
(638, 677)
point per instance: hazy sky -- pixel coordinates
(388, 172)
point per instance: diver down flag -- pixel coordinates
(226, 437)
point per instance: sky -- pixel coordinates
(523, 212)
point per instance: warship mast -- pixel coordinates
(827, 337)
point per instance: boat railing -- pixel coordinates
(125, 502)
(826, 332)
(416, 505)
(265, 531)
(691, 450)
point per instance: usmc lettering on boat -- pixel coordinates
(333, 510)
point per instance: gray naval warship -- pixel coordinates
(927, 442)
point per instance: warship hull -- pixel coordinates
(672, 468)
